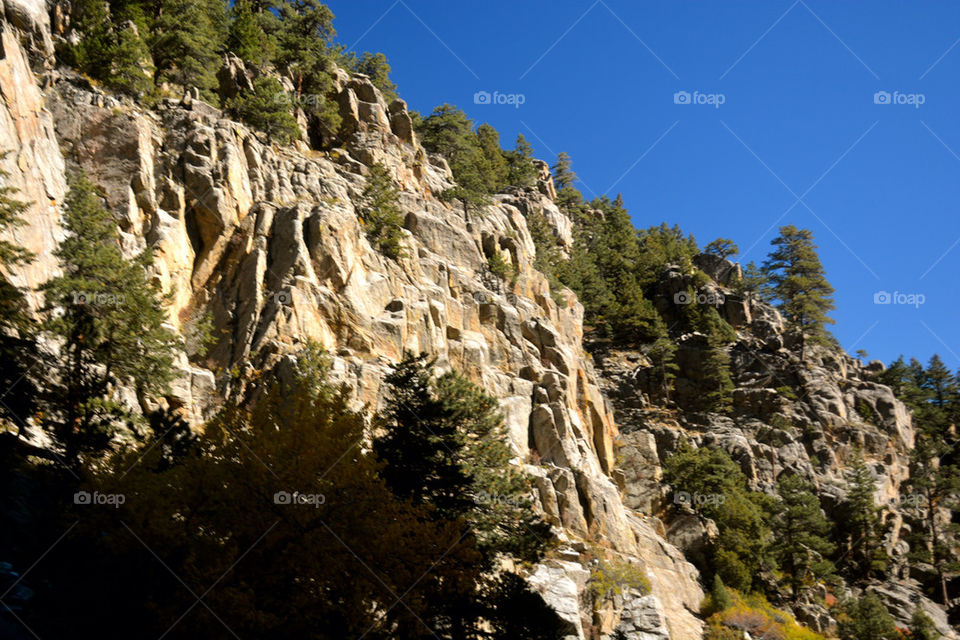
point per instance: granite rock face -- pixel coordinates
(266, 241)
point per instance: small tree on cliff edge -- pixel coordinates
(797, 282)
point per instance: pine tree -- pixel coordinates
(796, 280)
(800, 545)
(131, 68)
(863, 523)
(722, 247)
(303, 36)
(495, 166)
(380, 214)
(246, 36)
(568, 198)
(922, 626)
(18, 349)
(188, 37)
(107, 314)
(521, 172)
(866, 619)
(719, 595)
(267, 108)
(444, 446)
(449, 132)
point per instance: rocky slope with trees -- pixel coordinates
(214, 218)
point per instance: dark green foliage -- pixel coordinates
(800, 546)
(108, 314)
(862, 524)
(495, 165)
(449, 132)
(922, 626)
(719, 596)
(267, 108)
(246, 36)
(376, 67)
(866, 619)
(188, 37)
(18, 349)
(603, 271)
(796, 281)
(722, 247)
(381, 215)
(444, 446)
(569, 199)
(500, 267)
(660, 246)
(716, 487)
(521, 169)
(112, 49)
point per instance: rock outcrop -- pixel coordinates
(266, 241)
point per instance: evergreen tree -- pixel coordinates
(449, 132)
(716, 360)
(863, 522)
(722, 247)
(18, 349)
(278, 505)
(106, 312)
(131, 68)
(188, 37)
(495, 166)
(719, 595)
(521, 170)
(381, 216)
(246, 36)
(717, 489)
(444, 447)
(303, 36)
(866, 619)
(800, 545)
(267, 108)
(797, 282)
(568, 197)
(922, 626)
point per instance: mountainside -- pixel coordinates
(266, 242)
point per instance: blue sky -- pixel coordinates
(802, 135)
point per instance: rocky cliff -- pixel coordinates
(267, 242)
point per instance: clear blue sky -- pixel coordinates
(798, 139)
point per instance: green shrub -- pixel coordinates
(501, 268)
(610, 577)
(268, 109)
